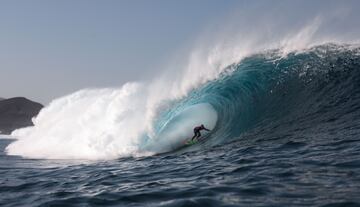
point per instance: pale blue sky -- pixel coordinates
(49, 48)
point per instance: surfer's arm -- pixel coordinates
(206, 129)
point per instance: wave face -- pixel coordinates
(318, 88)
(266, 94)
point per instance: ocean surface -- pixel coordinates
(285, 131)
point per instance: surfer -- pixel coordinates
(197, 130)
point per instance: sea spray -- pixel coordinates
(88, 124)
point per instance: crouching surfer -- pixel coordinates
(197, 130)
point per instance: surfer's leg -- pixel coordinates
(197, 135)
(194, 136)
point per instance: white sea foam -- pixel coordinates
(88, 124)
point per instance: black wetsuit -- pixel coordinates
(197, 130)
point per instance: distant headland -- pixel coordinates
(17, 113)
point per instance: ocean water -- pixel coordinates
(285, 131)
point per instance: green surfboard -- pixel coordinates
(191, 142)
